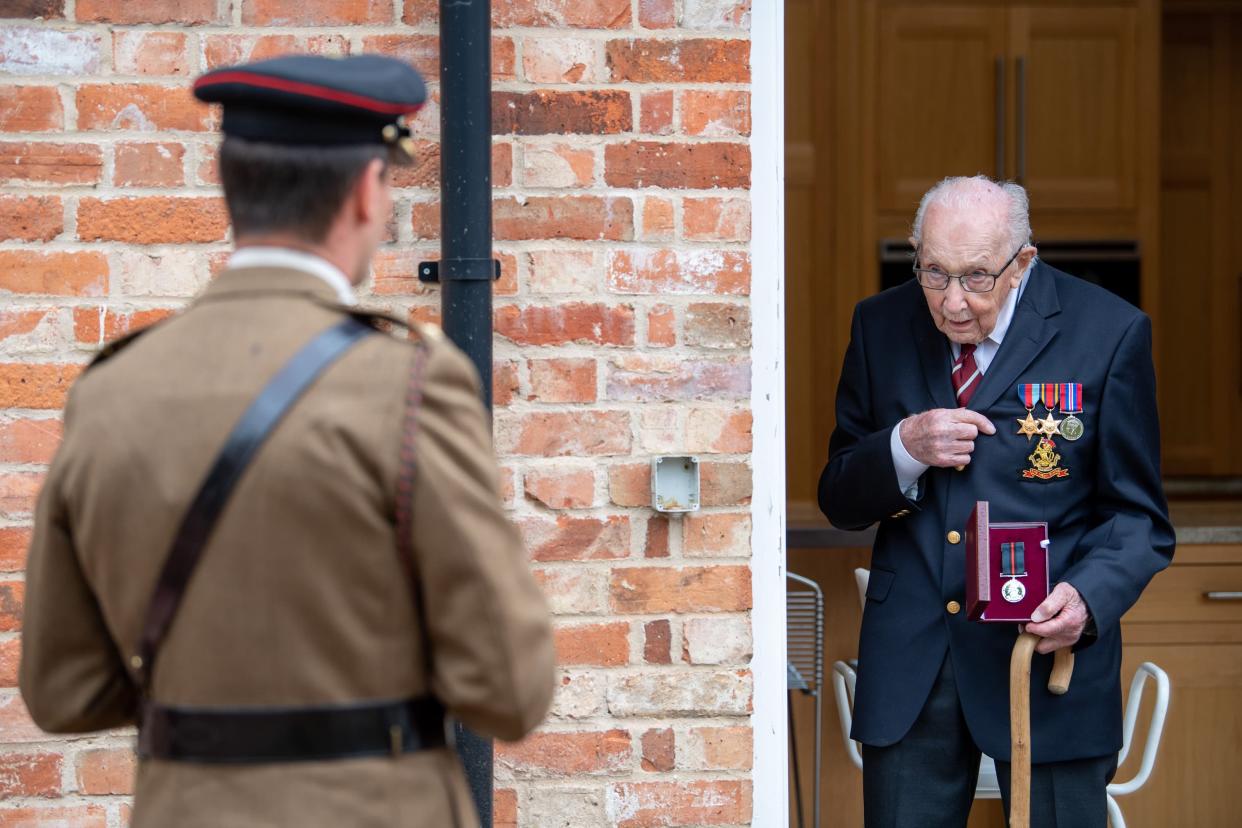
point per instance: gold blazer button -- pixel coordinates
(953, 607)
(954, 536)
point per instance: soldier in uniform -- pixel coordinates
(272, 537)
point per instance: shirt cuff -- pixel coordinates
(908, 469)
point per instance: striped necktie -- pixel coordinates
(966, 375)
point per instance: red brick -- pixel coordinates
(656, 113)
(700, 803)
(643, 378)
(725, 484)
(508, 494)
(630, 484)
(595, 645)
(141, 107)
(14, 541)
(722, 748)
(12, 596)
(715, 114)
(657, 545)
(576, 433)
(581, 322)
(564, 271)
(35, 385)
(697, 166)
(657, 219)
(149, 165)
(562, 380)
(10, 660)
(659, 430)
(425, 220)
(562, 60)
(504, 58)
(147, 11)
(680, 272)
(50, 163)
(504, 382)
(106, 771)
(208, 171)
(422, 51)
(150, 53)
(565, 538)
(30, 218)
(61, 274)
(723, 639)
(717, 325)
(504, 808)
(659, 749)
(588, 218)
(18, 491)
(710, 534)
(424, 173)
(425, 314)
(574, 590)
(30, 109)
(558, 165)
(316, 12)
(567, 754)
(502, 164)
(586, 14)
(25, 440)
(47, 9)
(702, 60)
(29, 774)
(657, 643)
(716, 219)
(561, 488)
(87, 321)
(231, 49)
(716, 14)
(657, 14)
(152, 220)
(711, 430)
(61, 816)
(20, 322)
(16, 726)
(661, 327)
(546, 111)
(691, 589)
(425, 13)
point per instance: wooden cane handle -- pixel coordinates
(1020, 730)
(1062, 671)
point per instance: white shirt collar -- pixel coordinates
(1005, 317)
(316, 266)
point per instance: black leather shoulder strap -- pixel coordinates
(248, 435)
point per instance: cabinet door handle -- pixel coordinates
(1021, 125)
(1000, 119)
(1223, 596)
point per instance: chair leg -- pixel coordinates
(793, 750)
(1115, 819)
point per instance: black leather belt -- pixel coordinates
(297, 734)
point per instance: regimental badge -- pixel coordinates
(1045, 462)
(1071, 404)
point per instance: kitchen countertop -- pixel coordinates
(1196, 521)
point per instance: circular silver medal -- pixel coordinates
(1071, 428)
(1013, 591)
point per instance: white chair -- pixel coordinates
(988, 787)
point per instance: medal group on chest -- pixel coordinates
(1044, 460)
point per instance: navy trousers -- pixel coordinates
(927, 780)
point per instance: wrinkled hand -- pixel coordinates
(944, 437)
(1059, 620)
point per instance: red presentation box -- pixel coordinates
(1006, 568)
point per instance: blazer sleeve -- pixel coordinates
(72, 678)
(859, 485)
(1132, 538)
(493, 664)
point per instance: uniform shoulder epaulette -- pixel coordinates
(387, 322)
(116, 346)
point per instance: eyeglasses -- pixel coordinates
(976, 281)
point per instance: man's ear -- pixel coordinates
(1024, 260)
(369, 192)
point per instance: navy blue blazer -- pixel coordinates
(1108, 519)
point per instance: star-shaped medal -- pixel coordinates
(1030, 426)
(1049, 426)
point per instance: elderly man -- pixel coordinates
(934, 412)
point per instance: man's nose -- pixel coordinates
(954, 296)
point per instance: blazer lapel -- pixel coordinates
(1029, 333)
(936, 359)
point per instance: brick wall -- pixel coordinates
(622, 217)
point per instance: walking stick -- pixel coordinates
(1020, 719)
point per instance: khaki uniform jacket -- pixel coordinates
(299, 598)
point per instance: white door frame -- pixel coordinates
(767, 311)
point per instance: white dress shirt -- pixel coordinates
(286, 257)
(910, 470)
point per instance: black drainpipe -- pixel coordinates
(466, 267)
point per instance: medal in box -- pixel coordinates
(1006, 568)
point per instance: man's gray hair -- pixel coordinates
(964, 192)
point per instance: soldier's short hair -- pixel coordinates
(293, 189)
